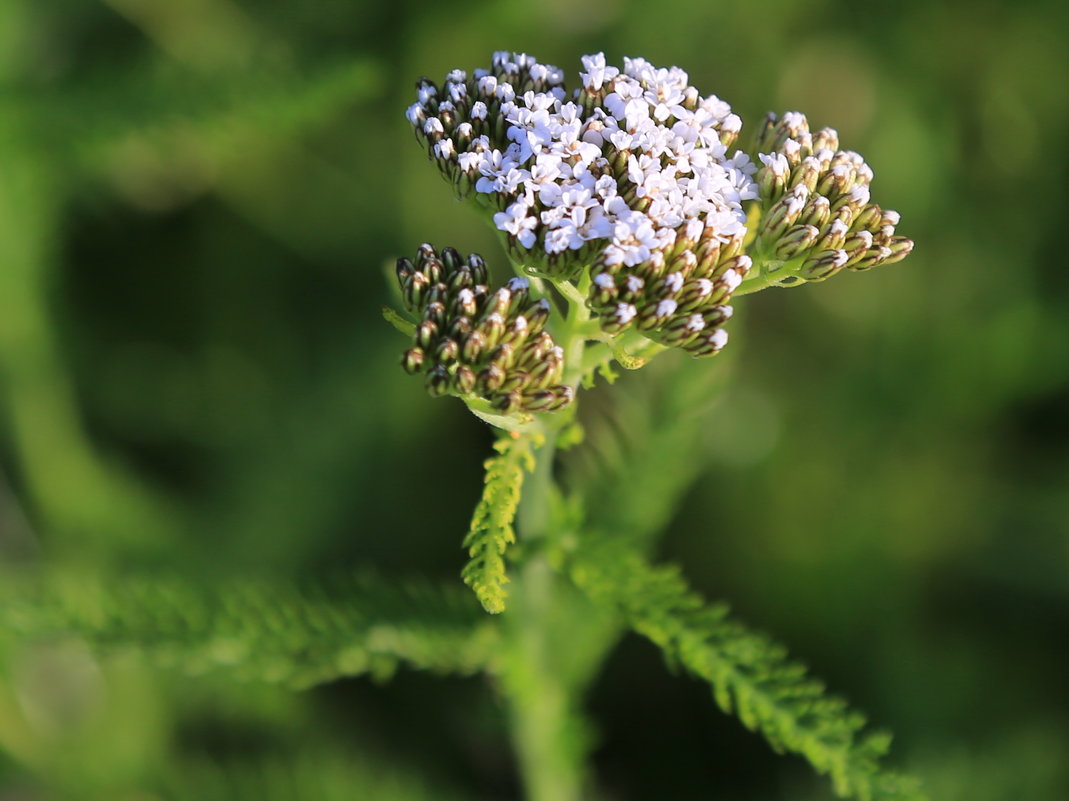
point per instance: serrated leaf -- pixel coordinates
(492, 531)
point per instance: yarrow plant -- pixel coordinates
(631, 216)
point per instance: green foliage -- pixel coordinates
(167, 117)
(262, 631)
(751, 676)
(492, 529)
(313, 777)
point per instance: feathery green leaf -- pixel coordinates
(751, 675)
(492, 529)
(261, 631)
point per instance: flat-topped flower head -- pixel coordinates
(621, 166)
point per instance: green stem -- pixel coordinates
(554, 639)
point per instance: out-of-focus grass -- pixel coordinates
(196, 203)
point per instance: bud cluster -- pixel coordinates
(474, 342)
(815, 203)
(616, 169)
(677, 297)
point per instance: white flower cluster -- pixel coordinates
(629, 163)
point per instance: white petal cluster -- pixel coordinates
(630, 162)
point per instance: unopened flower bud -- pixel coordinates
(490, 379)
(446, 352)
(795, 241)
(438, 382)
(816, 212)
(900, 247)
(823, 264)
(708, 344)
(784, 212)
(832, 237)
(464, 380)
(868, 218)
(412, 361)
(507, 402)
(472, 347)
(827, 139)
(426, 333)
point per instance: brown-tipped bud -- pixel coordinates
(603, 290)
(784, 213)
(833, 236)
(872, 258)
(507, 402)
(795, 241)
(826, 139)
(837, 180)
(856, 245)
(549, 399)
(515, 330)
(707, 344)
(446, 352)
(435, 311)
(816, 212)
(503, 356)
(537, 316)
(412, 360)
(478, 268)
(656, 314)
(868, 218)
(806, 174)
(900, 247)
(499, 303)
(460, 328)
(438, 382)
(472, 347)
(492, 328)
(521, 292)
(823, 265)
(415, 290)
(437, 293)
(771, 182)
(426, 333)
(464, 380)
(490, 379)
(451, 260)
(695, 294)
(404, 271)
(516, 380)
(464, 303)
(548, 370)
(681, 329)
(461, 279)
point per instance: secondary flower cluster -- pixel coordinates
(623, 167)
(470, 341)
(815, 203)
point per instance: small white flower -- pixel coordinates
(666, 307)
(604, 281)
(718, 339)
(625, 313)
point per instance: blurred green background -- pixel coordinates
(197, 201)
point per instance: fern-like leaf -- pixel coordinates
(751, 675)
(259, 631)
(491, 530)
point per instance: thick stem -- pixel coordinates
(556, 640)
